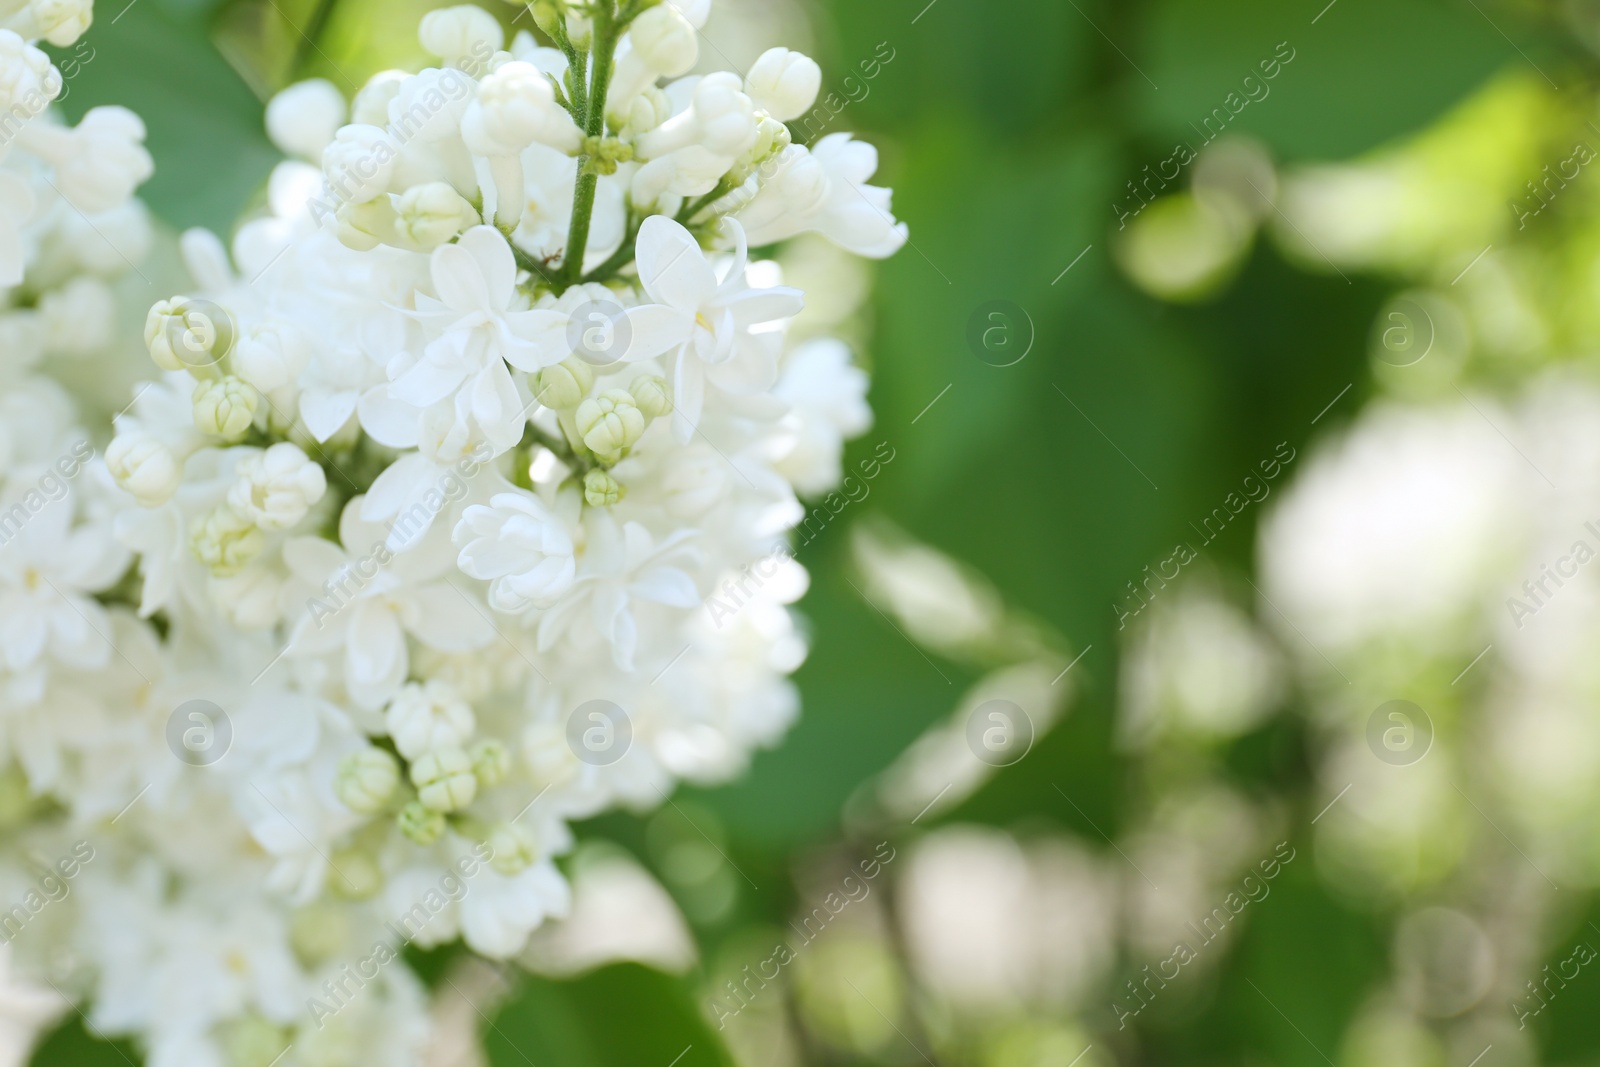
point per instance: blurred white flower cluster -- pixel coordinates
(400, 563)
(1428, 573)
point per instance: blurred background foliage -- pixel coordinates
(1009, 130)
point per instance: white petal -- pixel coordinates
(447, 620)
(654, 330)
(672, 267)
(495, 260)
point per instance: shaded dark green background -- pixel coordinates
(1008, 129)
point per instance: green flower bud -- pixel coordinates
(772, 138)
(444, 779)
(431, 214)
(650, 393)
(365, 226)
(491, 762)
(354, 875)
(225, 543)
(601, 490)
(546, 16)
(513, 849)
(420, 823)
(564, 386)
(604, 153)
(225, 407)
(366, 781)
(610, 423)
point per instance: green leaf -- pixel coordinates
(1364, 72)
(623, 1014)
(204, 125)
(71, 1046)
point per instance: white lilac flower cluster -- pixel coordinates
(407, 557)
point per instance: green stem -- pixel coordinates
(619, 259)
(562, 448)
(577, 67)
(689, 211)
(606, 31)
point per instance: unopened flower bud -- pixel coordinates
(444, 779)
(644, 112)
(183, 334)
(580, 30)
(420, 823)
(665, 41)
(457, 33)
(271, 356)
(547, 17)
(250, 599)
(772, 138)
(276, 488)
(491, 762)
(355, 875)
(371, 104)
(784, 83)
(303, 118)
(366, 781)
(610, 423)
(144, 467)
(364, 226)
(601, 490)
(514, 107)
(224, 542)
(564, 386)
(513, 849)
(651, 396)
(224, 407)
(429, 716)
(431, 214)
(360, 162)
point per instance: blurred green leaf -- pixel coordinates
(71, 1044)
(1364, 72)
(204, 125)
(623, 1014)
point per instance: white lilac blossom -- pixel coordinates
(398, 560)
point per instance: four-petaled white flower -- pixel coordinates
(622, 564)
(49, 571)
(478, 330)
(365, 600)
(708, 321)
(521, 547)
